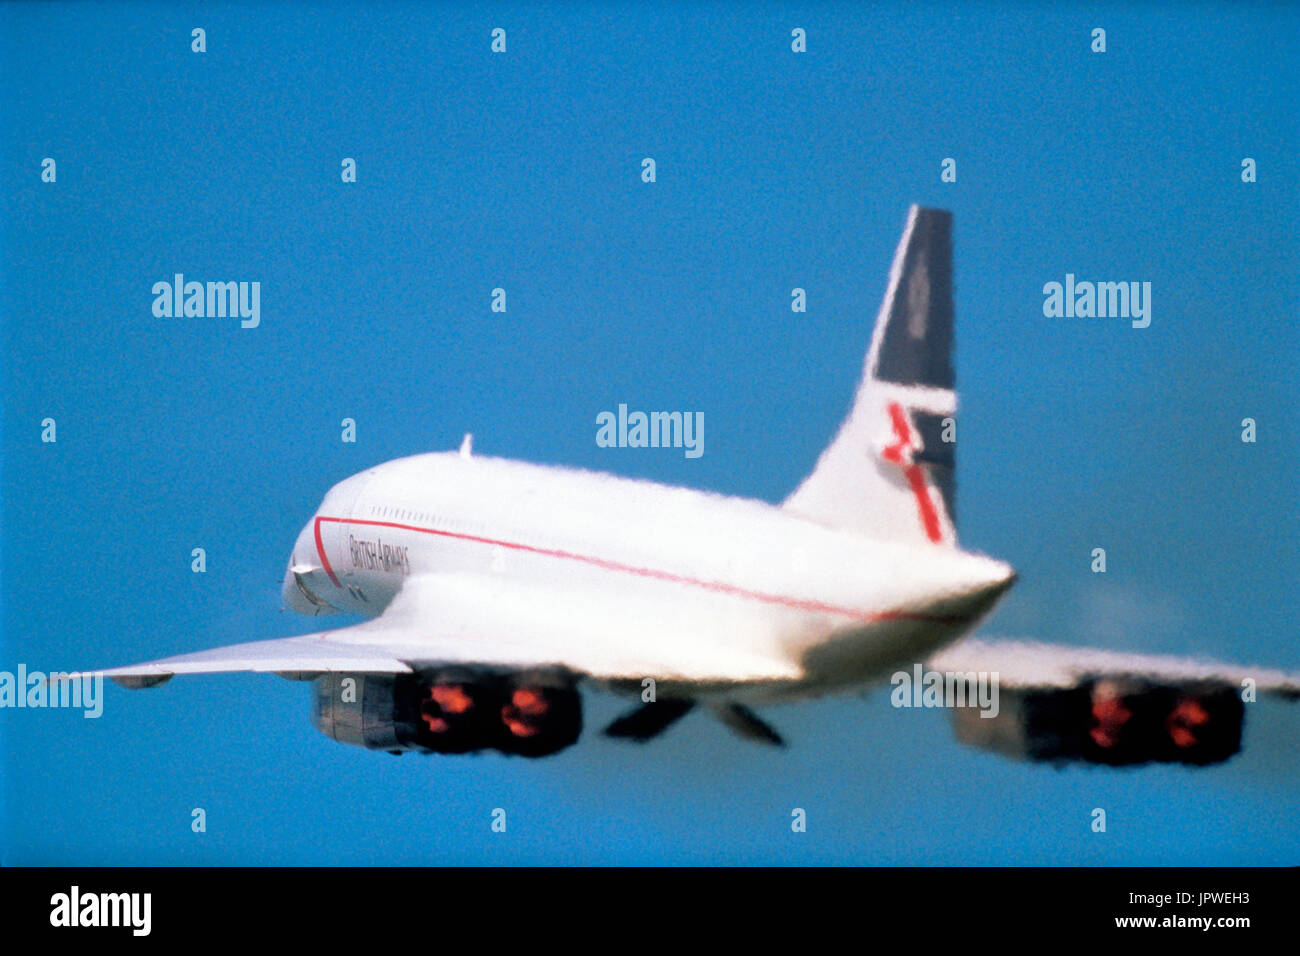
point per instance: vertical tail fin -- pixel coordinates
(890, 472)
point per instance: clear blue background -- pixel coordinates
(521, 170)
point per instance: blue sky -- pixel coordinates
(521, 170)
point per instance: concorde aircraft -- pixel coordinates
(493, 589)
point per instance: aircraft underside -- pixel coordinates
(460, 710)
(453, 710)
(537, 713)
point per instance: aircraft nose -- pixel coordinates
(300, 589)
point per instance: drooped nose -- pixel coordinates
(302, 589)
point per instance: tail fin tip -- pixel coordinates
(890, 470)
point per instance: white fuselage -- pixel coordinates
(842, 606)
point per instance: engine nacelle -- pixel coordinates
(450, 711)
(1111, 720)
(363, 710)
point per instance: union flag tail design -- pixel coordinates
(890, 471)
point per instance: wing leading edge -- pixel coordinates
(475, 620)
(306, 656)
(1034, 664)
(1042, 702)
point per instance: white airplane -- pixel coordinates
(494, 587)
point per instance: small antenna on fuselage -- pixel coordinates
(467, 445)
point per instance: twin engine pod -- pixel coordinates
(1120, 721)
(452, 710)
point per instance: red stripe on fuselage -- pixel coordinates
(324, 559)
(715, 586)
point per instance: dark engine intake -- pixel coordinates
(450, 711)
(1108, 720)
